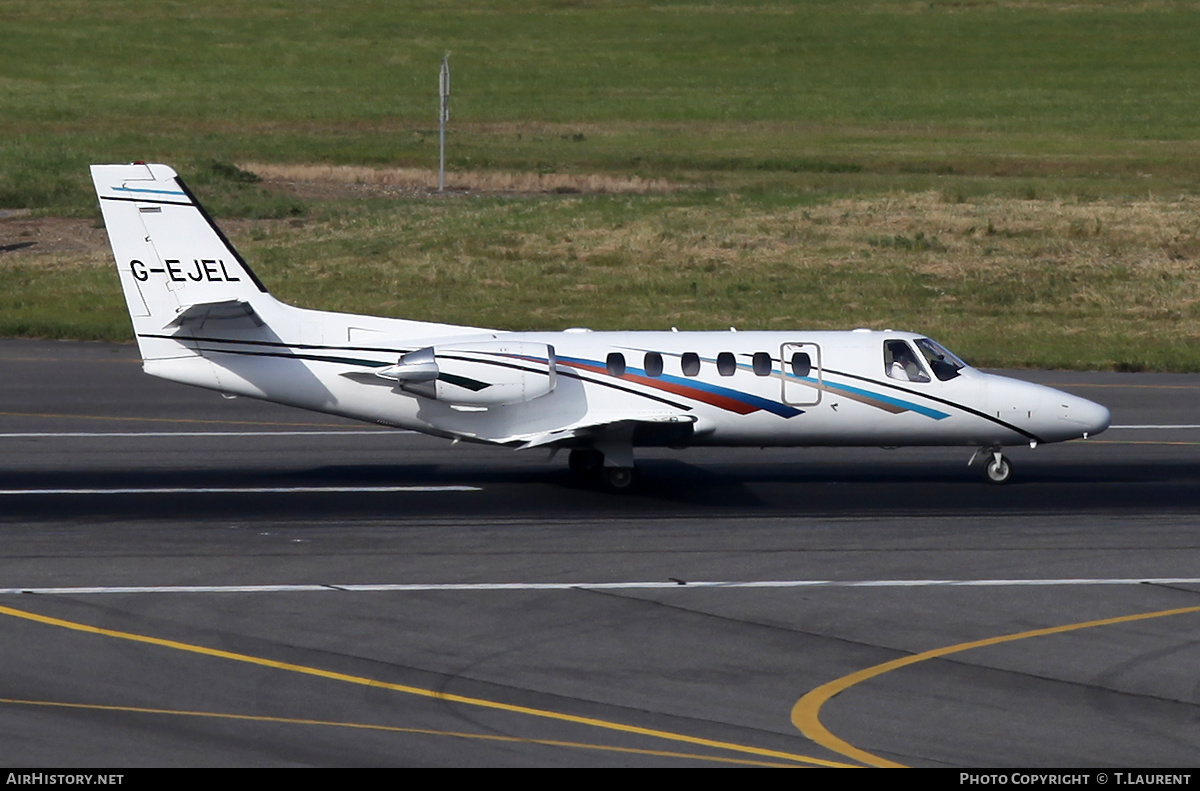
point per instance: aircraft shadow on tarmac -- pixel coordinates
(666, 487)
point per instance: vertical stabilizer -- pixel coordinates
(173, 261)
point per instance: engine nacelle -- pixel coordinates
(480, 374)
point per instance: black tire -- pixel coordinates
(618, 479)
(585, 462)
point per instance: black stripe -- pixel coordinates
(377, 364)
(273, 344)
(576, 375)
(280, 345)
(474, 385)
(569, 373)
(146, 200)
(573, 374)
(947, 402)
(221, 234)
(287, 356)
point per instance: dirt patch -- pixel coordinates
(325, 181)
(21, 233)
(62, 238)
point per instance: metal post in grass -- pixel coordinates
(443, 117)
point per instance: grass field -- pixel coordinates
(1018, 179)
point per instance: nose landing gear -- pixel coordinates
(997, 469)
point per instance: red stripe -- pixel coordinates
(719, 401)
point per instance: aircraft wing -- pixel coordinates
(597, 424)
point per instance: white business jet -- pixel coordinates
(202, 318)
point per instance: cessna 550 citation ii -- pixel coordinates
(202, 318)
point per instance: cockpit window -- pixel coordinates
(901, 363)
(944, 364)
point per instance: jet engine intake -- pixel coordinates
(482, 374)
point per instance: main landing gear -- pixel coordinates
(585, 462)
(997, 468)
(590, 464)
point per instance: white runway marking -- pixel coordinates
(247, 490)
(362, 432)
(367, 432)
(1165, 427)
(528, 586)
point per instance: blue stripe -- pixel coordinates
(909, 405)
(153, 192)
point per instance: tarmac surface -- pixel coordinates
(187, 580)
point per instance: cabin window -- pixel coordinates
(901, 363)
(801, 364)
(616, 364)
(690, 362)
(762, 364)
(726, 364)
(653, 364)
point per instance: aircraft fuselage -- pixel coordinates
(202, 317)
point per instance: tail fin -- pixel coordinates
(176, 266)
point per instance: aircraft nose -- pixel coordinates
(1092, 418)
(1049, 414)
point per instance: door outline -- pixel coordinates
(801, 391)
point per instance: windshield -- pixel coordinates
(943, 362)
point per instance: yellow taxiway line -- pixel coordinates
(758, 752)
(806, 712)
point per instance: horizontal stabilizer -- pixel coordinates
(231, 313)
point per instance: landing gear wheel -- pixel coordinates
(998, 470)
(618, 478)
(585, 462)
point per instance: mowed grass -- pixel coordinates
(715, 93)
(1005, 281)
(1017, 179)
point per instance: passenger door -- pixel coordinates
(800, 365)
